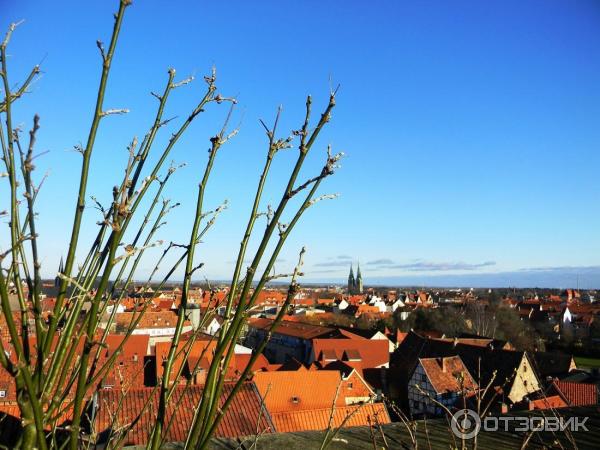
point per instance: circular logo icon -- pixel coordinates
(465, 424)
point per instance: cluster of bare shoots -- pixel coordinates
(57, 362)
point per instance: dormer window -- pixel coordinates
(295, 400)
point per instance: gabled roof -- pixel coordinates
(448, 374)
(553, 364)
(292, 364)
(201, 352)
(241, 418)
(373, 353)
(243, 359)
(483, 363)
(345, 367)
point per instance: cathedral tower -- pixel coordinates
(351, 282)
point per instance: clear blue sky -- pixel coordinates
(471, 128)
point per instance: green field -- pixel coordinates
(590, 363)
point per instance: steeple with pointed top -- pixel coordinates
(351, 281)
(359, 281)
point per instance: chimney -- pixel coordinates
(442, 363)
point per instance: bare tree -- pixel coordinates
(56, 364)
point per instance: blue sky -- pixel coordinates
(470, 128)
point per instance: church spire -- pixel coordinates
(359, 281)
(351, 281)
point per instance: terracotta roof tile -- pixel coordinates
(296, 390)
(445, 374)
(241, 418)
(318, 419)
(577, 394)
(288, 328)
(554, 401)
(374, 352)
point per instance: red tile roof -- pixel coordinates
(241, 418)
(135, 345)
(448, 374)
(577, 394)
(374, 352)
(202, 351)
(242, 360)
(318, 419)
(288, 328)
(551, 402)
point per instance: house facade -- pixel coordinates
(436, 382)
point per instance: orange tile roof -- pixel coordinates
(444, 374)
(356, 299)
(135, 345)
(294, 390)
(554, 401)
(242, 360)
(374, 352)
(150, 319)
(241, 418)
(202, 350)
(325, 301)
(318, 419)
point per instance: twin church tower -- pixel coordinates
(355, 285)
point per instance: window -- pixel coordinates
(350, 385)
(525, 383)
(2, 393)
